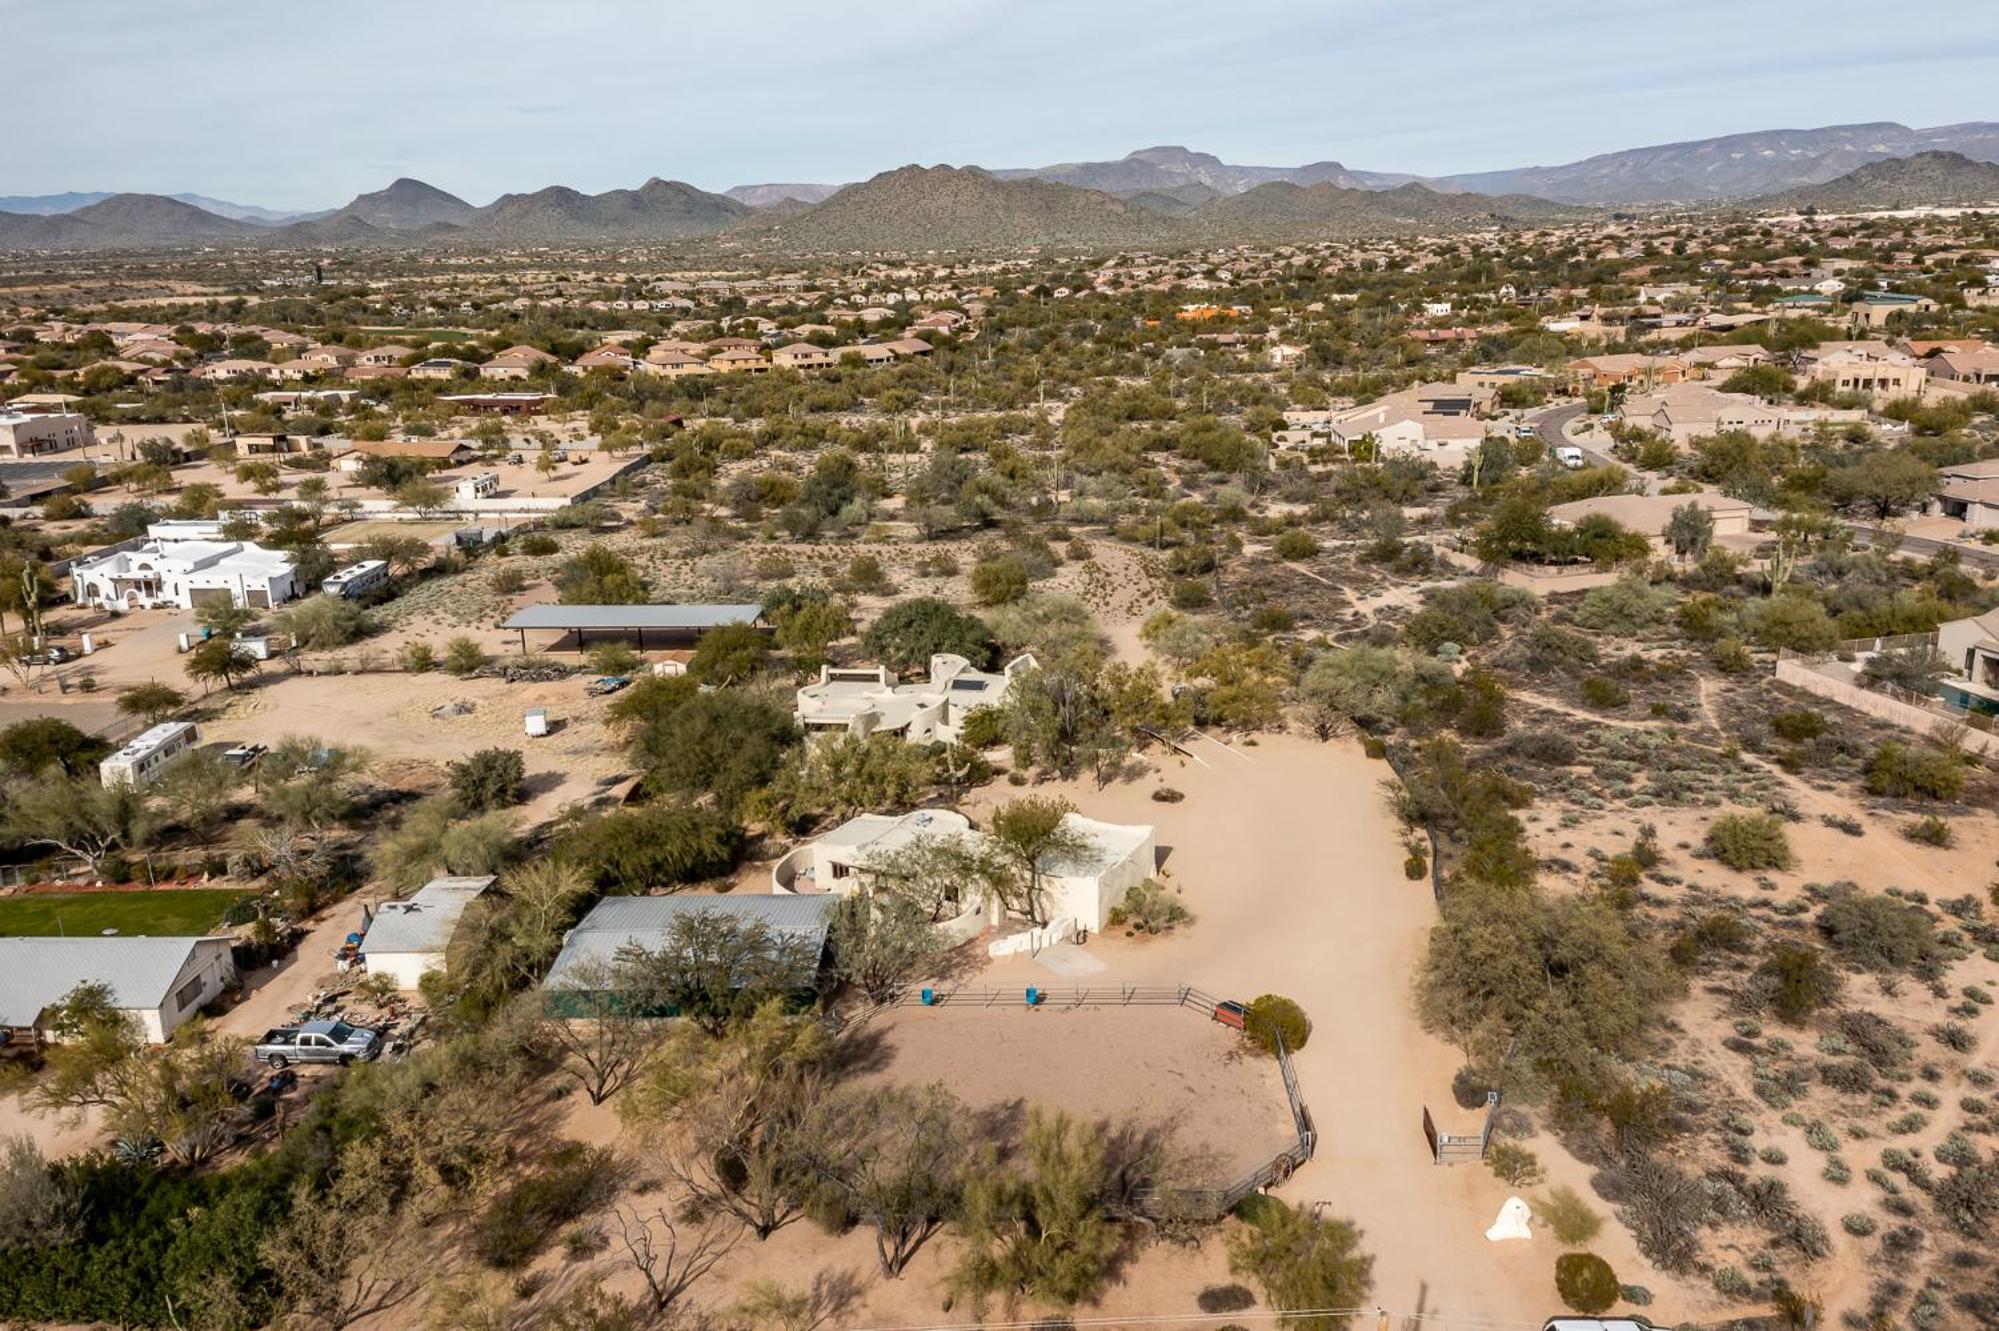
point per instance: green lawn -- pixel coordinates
(164, 914)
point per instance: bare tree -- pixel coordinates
(601, 1036)
(896, 1156)
(668, 1262)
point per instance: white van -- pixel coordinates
(1569, 456)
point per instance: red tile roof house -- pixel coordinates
(802, 356)
(604, 358)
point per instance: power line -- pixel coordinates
(1174, 1319)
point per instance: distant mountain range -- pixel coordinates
(45, 205)
(1736, 166)
(1930, 178)
(1153, 197)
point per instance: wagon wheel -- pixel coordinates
(1280, 1169)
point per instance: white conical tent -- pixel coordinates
(1512, 1223)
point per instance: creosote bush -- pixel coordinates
(1585, 1282)
(1271, 1017)
(1749, 841)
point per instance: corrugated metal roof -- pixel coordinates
(423, 923)
(615, 922)
(631, 616)
(38, 972)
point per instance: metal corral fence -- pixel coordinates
(1154, 1203)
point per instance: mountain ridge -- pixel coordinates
(1928, 178)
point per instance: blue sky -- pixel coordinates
(291, 105)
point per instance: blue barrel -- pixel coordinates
(930, 998)
(1033, 996)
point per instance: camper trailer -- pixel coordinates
(141, 762)
(357, 579)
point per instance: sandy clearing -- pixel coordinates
(1155, 1067)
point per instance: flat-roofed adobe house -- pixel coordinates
(865, 700)
(1869, 367)
(158, 982)
(441, 367)
(186, 574)
(1081, 888)
(389, 353)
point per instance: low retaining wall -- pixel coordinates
(1033, 940)
(1799, 674)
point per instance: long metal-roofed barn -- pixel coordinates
(616, 923)
(667, 623)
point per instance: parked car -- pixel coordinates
(244, 755)
(317, 1042)
(607, 684)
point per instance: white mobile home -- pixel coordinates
(405, 939)
(357, 579)
(159, 982)
(141, 762)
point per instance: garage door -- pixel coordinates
(200, 596)
(258, 597)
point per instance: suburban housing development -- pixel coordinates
(1137, 742)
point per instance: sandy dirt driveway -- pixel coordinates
(1291, 862)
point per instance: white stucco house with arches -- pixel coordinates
(185, 574)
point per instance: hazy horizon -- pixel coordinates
(288, 108)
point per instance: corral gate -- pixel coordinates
(1458, 1148)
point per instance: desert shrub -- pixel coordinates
(537, 544)
(1602, 691)
(512, 1228)
(463, 656)
(1954, 1037)
(1858, 1225)
(999, 581)
(1929, 831)
(1415, 867)
(1271, 1017)
(1878, 932)
(1797, 981)
(1799, 727)
(1837, 1171)
(1915, 772)
(1628, 606)
(1300, 1260)
(1513, 1164)
(488, 779)
(1569, 1216)
(1749, 841)
(1294, 543)
(419, 657)
(1149, 907)
(1225, 1299)
(1585, 1282)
